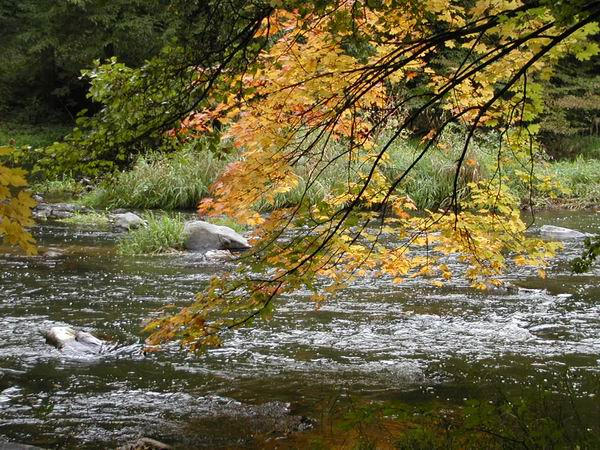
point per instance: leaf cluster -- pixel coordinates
(15, 206)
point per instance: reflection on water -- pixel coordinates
(375, 340)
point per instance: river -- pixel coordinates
(375, 341)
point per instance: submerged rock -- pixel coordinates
(127, 221)
(57, 210)
(69, 340)
(146, 444)
(15, 446)
(555, 232)
(203, 236)
(218, 255)
(51, 253)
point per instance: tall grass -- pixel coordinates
(161, 234)
(160, 181)
(57, 190)
(181, 180)
(429, 183)
(580, 177)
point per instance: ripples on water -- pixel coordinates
(375, 339)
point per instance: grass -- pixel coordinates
(159, 181)
(180, 180)
(91, 218)
(163, 234)
(429, 184)
(63, 189)
(581, 177)
(225, 221)
(34, 136)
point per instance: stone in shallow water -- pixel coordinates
(203, 236)
(146, 444)
(15, 446)
(69, 340)
(127, 221)
(552, 231)
(57, 210)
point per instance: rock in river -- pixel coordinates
(15, 446)
(56, 210)
(554, 232)
(69, 340)
(127, 221)
(203, 236)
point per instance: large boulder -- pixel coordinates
(69, 340)
(554, 232)
(127, 221)
(202, 236)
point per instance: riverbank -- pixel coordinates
(179, 180)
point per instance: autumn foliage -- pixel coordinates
(329, 79)
(15, 206)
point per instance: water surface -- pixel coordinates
(376, 340)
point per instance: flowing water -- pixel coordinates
(376, 340)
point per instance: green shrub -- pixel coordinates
(160, 181)
(162, 234)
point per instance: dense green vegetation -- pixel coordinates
(179, 180)
(49, 42)
(160, 181)
(162, 234)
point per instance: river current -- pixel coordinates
(375, 340)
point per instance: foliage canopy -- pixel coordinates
(343, 72)
(283, 80)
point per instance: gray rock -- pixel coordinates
(51, 253)
(146, 444)
(69, 340)
(60, 214)
(554, 232)
(15, 446)
(127, 221)
(203, 236)
(66, 207)
(218, 255)
(57, 210)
